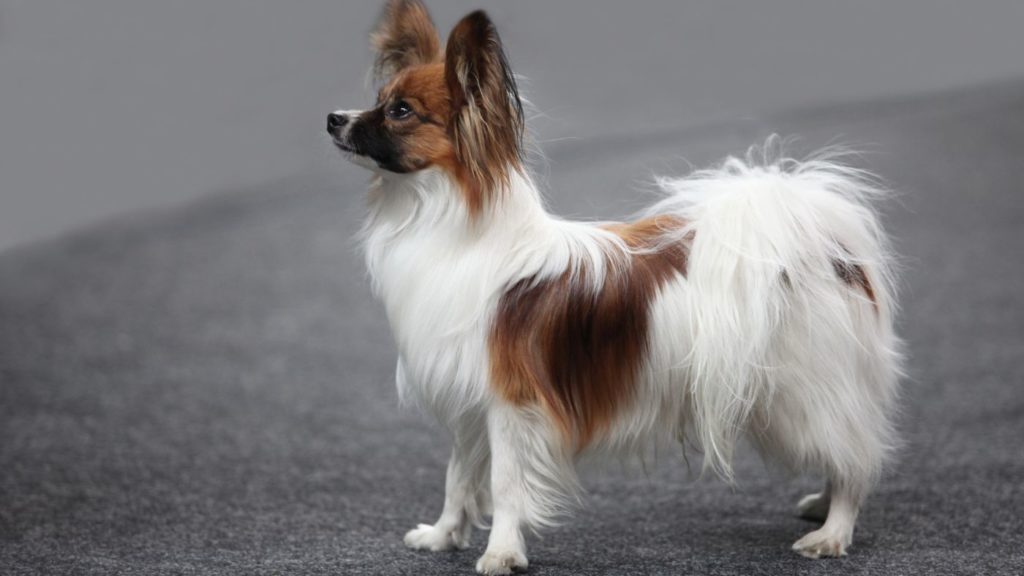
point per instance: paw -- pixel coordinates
(813, 507)
(494, 563)
(427, 537)
(822, 544)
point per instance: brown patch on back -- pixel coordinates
(853, 275)
(577, 353)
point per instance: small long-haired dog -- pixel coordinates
(754, 300)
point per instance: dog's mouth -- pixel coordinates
(352, 154)
(344, 146)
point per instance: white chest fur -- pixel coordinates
(441, 274)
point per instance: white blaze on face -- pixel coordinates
(351, 116)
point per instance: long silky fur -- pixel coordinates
(766, 284)
(760, 300)
(764, 308)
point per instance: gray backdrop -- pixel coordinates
(109, 106)
(207, 388)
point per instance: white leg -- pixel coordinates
(506, 550)
(832, 539)
(454, 526)
(530, 474)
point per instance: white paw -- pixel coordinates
(822, 543)
(494, 563)
(427, 537)
(813, 507)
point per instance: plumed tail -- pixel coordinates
(769, 237)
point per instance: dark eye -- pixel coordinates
(399, 110)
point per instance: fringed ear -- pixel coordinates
(405, 36)
(487, 115)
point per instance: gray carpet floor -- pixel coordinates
(208, 389)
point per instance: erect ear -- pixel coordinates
(487, 114)
(405, 36)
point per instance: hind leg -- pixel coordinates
(847, 458)
(845, 447)
(832, 539)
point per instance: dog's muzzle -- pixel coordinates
(339, 125)
(336, 123)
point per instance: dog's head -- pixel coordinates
(456, 109)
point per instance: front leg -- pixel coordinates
(462, 483)
(531, 473)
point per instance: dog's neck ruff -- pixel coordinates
(440, 272)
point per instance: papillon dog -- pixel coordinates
(755, 300)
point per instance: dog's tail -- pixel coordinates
(769, 236)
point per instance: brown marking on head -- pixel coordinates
(487, 123)
(467, 115)
(405, 36)
(558, 344)
(421, 137)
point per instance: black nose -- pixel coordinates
(336, 121)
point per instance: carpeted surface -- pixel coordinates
(208, 390)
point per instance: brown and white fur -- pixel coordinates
(754, 300)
